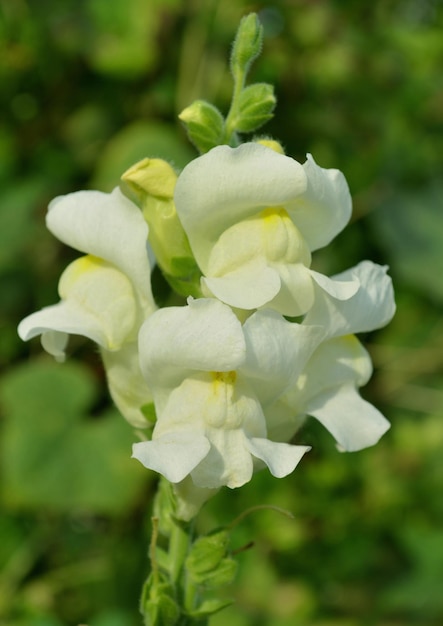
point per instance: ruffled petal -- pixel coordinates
(281, 458)
(97, 302)
(336, 362)
(227, 185)
(251, 286)
(354, 423)
(174, 455)
(337, 289)
(177, 341)
(296, 294)
(342, 361)
(110, 227)
(228, 463)
(325, 208)
(371, 307)
(276, 352)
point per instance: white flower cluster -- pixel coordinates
(230, 377)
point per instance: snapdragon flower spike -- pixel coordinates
(253, 217)
(106, 294)
(210, 378)
(328, 387)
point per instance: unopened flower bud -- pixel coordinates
(272, 145)
(204, 124)
(151, 183)
(247, 44)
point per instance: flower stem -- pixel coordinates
(231, 119)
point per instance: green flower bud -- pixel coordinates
(207, 553)
(255, 106)
(247, 44)
(150, 184)
(204, 124)
(207, 562)
(271, 144)
(158, 604)
(209, 607)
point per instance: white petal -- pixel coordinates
(276, 352)
(97, 302)
(281, 458)
(338, 289)
(203, 336)
(371, 307)
(283, 421)
(251, 286)
(108, 226)
(174, 455)
(227, 185)
(189, 498)
(228, 463)
(335, 363)
(354, 423)
(126, 384)
(55, 343)
(325, 208)
(296, 294)
(64, 318)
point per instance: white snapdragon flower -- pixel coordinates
(253, 217)
(105, 294)
(327, 389)
(211, 377)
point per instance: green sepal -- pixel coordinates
(209, 607)
(204, 125)
(164, 507)
(247, 44)
(207, 562)
(223, 574)
(185, 277)
(255, 107)
(158, 605)
(207, 553)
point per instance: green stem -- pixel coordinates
(239, 83)
(181, 538)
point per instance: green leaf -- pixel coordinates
(255, 106)
(17, 205)
(52, 454)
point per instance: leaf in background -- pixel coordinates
(125, 36)
(53, 456)
(410, 227)
(419, 590)
(135, 142)
(17, 205)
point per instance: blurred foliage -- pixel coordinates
(86, 89)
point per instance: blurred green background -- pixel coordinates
(88, 87)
